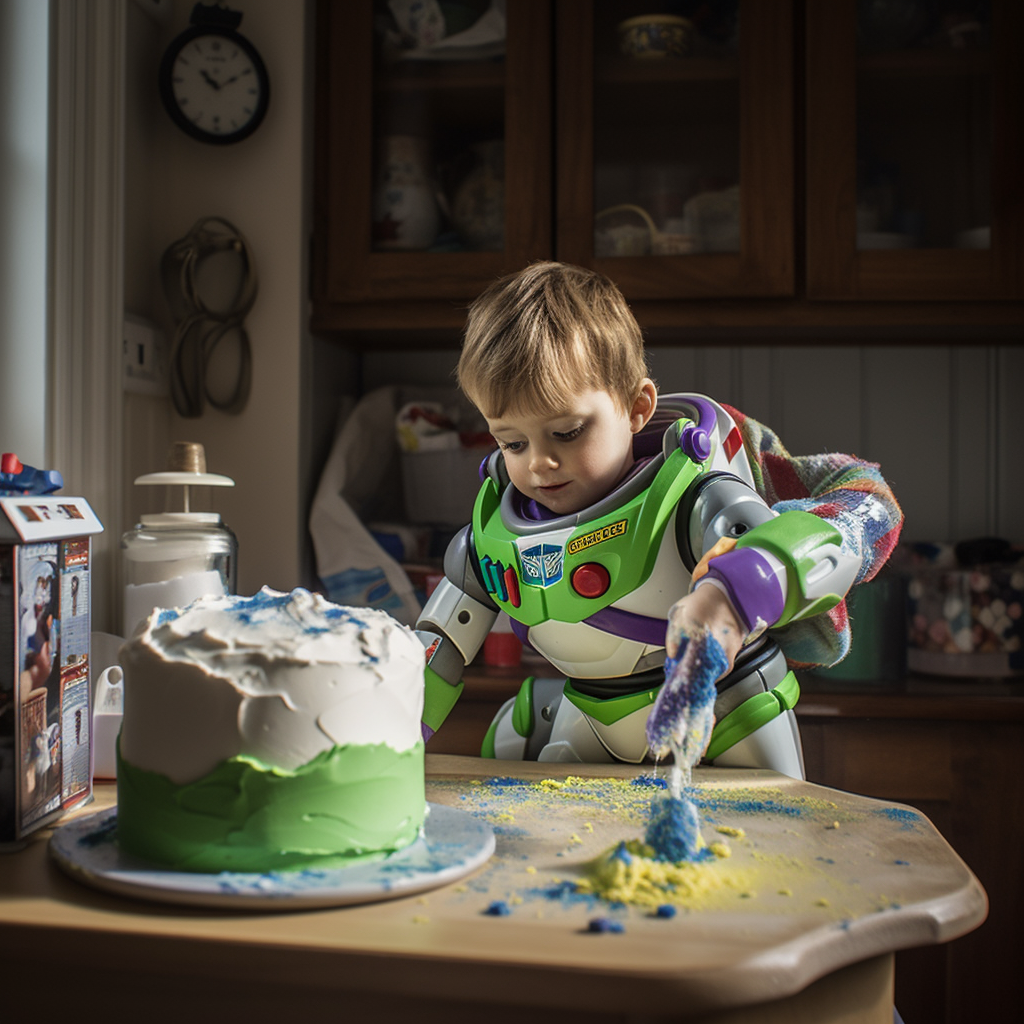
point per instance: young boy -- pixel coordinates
(613, 523)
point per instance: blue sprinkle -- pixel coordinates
(604, 924)
(499, 908)
(665, 910)
(825, 860)
(649, 781)
(908, 819)
(623, 854)
(106, 833)
(903, 862)
(674, 830)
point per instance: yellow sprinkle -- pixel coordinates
(420, 919)
(729, 830)
(835, 824)
(822, 902)
(530, 869)
(505, 816)
(553, 784)
(574, 840)
(785, 892)
(747, 895)
(720, 849)
(515, 900)
(588, 827)
(461, 888)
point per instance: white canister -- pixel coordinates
(171, 558)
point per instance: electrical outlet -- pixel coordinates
(144, 358)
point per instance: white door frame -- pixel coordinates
(86, 245)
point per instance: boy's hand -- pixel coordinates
(705, 606)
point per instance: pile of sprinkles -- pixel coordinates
(605, 878)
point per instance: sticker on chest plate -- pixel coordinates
(542, 557)
(542, 564)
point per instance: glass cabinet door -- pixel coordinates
(434, 122)
(674, 145)
(914, 138)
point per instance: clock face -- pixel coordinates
(215, 86)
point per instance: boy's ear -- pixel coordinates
(644, 405)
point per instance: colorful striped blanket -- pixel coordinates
(845, 491)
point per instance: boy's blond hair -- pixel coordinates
(548, 332)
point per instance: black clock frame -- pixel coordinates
(166, 82)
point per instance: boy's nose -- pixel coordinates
(542, 461)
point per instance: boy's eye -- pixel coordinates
(569, 435)
(512, 446)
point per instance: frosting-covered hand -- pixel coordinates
(705, 607)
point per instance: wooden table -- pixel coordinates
(824, 886)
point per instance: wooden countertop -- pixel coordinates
(825, 886)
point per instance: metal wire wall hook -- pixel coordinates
(200, 325)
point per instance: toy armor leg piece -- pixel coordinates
(755, 726)
(549, 720)
(540, 724)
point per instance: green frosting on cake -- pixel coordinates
(348, 804)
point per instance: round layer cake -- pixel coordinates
(271, 732)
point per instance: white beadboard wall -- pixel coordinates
(941, 420)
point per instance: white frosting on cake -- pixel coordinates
(278, 677)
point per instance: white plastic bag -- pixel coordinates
(361, 483)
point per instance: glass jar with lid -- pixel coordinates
(171, 558)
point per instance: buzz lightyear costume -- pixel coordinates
(590, 591)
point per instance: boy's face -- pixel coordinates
(571, 459)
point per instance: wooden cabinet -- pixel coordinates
(955, 751)
(725, 112)
(363, 99)
(915, 155)
(726, 188)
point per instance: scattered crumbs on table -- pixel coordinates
(730, 830)
(603, 925)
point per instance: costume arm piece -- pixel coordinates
(852, 498)
(790, 567)
(452, 627)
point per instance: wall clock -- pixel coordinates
(213, 81)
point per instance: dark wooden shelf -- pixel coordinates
(931, 63)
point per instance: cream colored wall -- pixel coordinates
(259, 185)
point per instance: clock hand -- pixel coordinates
(209, 80)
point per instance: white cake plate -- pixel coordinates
(453, 844)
